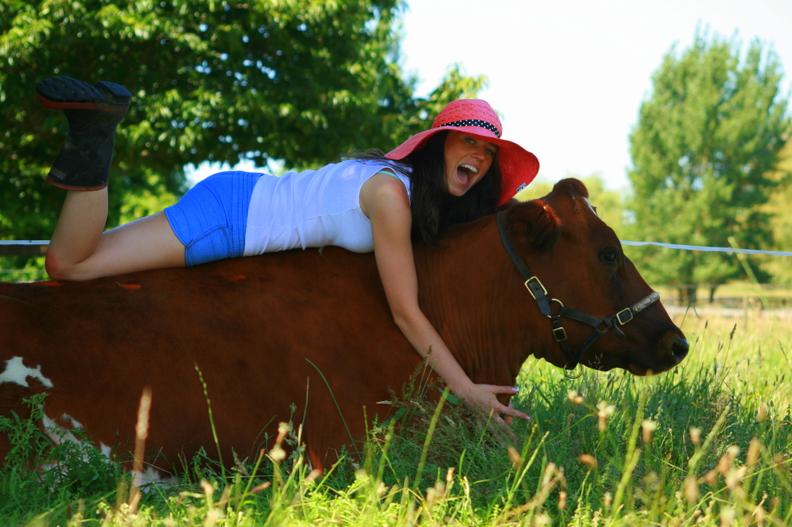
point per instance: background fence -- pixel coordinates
(23, 247)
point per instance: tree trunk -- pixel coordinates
(687, 294)
(712, 289)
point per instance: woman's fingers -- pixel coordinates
(483, 396)
(500, 390)
(500, 408)
(510, 411)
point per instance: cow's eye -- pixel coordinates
(609, 256)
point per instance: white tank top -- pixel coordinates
(313, 208)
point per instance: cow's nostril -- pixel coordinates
(679, 348)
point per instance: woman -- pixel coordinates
(456, 171)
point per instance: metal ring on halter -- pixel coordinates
(603, 328)
(560, 304)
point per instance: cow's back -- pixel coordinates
(266, 333)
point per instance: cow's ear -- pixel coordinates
(572, 187)
(537, 222)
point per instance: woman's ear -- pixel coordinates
(537, 222)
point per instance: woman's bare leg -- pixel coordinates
(79, 228)
(80, 250)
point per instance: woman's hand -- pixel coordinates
(483, 397)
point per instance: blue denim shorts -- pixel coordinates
(210, 219)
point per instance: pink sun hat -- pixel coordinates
(518, 167)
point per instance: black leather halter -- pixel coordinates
(601, 326)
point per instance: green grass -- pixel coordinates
(601, 449)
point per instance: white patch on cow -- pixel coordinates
(16, 372)
(66, 418)
(57, 433)
(63, 434)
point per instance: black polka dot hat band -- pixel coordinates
(475, 122)
(475, 117)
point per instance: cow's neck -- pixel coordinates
(488, 321)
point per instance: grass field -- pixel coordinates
(709, 443)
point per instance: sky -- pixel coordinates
(568, 76)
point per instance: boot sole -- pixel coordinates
(66, 93)
(55, 183)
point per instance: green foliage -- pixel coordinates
(303, 81)
(610, 204)
(22, 269)
(39, 474)
(707, 138)
(781, 218)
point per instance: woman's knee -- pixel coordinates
(55, 267)
(58, 269)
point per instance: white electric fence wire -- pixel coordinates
(706, 248)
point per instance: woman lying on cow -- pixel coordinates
(456, 171)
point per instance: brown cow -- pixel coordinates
(287, 328)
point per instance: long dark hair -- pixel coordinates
(433, 209)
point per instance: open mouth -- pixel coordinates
(465, 173)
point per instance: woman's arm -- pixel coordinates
(384, 200)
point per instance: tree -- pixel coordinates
(706, 139)
(303, 81)
(781, 218)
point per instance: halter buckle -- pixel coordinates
(559, 334)
(535, 287)
(624, 316)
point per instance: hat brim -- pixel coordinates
(518, 167)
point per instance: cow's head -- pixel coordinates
(589, 281)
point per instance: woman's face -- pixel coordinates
(467, 160)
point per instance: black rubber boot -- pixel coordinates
(93, 112)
